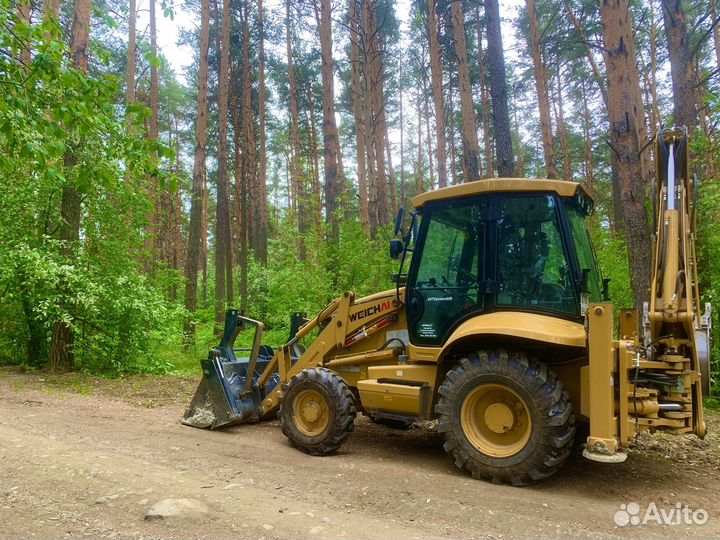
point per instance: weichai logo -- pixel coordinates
(369, 312)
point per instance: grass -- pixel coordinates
(712, 403)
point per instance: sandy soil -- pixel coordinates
(90, 464)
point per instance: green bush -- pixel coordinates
(352, 263)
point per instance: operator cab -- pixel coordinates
(502, 246)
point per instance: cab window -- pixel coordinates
(584, 250)
(445, 287)
(533, 267)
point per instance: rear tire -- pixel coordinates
(505, 417)
(317, 411)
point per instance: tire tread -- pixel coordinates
(551, 402)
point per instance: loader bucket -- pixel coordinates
(218, 402)
(225, 396)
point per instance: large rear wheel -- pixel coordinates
(317, 412)
(505, 417)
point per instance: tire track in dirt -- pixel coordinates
(62, 453)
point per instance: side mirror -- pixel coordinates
(396, 248)
(398, 220)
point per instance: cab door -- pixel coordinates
(443, 286)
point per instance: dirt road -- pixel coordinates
(92, 465)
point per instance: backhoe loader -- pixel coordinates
(499, 327)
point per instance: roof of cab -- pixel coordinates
(496, 185)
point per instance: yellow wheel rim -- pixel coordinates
(495, 420)
(310, 412)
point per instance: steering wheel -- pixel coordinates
(465, 274)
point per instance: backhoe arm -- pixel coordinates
(656, 381)
(672, 322)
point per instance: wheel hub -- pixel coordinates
(311, 413)
(495, 420)
(499, 418)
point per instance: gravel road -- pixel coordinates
(74, 465)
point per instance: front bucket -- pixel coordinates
(218, 401)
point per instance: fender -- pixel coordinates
(512, 324)
(530, 326)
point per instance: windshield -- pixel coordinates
(584, 250)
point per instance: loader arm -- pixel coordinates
(236, 391)
(342, 324)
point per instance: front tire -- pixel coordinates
(505, 417)
(317, 411)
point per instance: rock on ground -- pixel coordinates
(176, 508)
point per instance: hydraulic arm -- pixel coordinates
(658, 379)
(674, 328)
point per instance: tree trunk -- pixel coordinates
(24, 15)
(331, 142)
(391, 178)
(357, 101)
(484, 100)
(262, 226)
(471, 149)
(241, 205)
(684, 80)
(498, 91)
(152, 232)
(176, 208)
(648, 70)
(367, 36)
(344, 185)
(196, 205)
(542, 93)
(62, 357)
(428, 138)
(655, 106)
(153, 131)
(624, 113)
(295, 172)
(420, 171)
(587, 123)
(368, 128)
(132, 51)
(223, 266)
(437, 90)
(315, 162)
(249, 163)
(131, 67)
(51, 10)
(402, 142)
(451, 137)
(562, 129)
(204, 239)
(716, 31)
(375, 75)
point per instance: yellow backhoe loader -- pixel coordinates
(499, 327)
